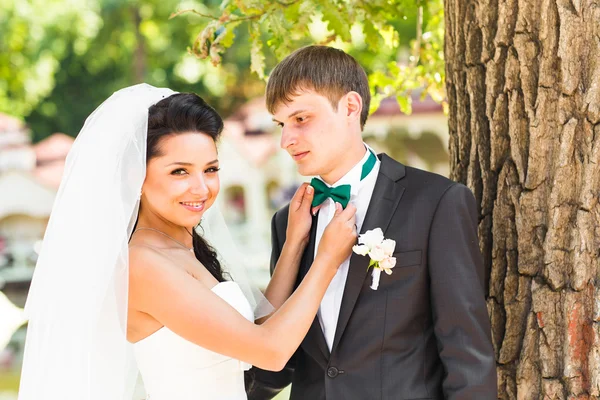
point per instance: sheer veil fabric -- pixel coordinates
(214, 229)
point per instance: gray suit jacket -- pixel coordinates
(425, 333)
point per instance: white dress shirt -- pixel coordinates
(360, 196)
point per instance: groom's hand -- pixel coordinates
(299, 217)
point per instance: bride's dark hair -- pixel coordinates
(179, 113)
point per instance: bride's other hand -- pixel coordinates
(299, 217)
(339, 236)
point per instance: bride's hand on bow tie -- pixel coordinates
(339, 236)
(299, 217)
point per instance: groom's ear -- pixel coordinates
(353, 105)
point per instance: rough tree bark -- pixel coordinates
(523, 81)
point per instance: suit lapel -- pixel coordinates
(314, 342)
(309, 254)
(384, 201)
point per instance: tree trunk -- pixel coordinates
(523, 81)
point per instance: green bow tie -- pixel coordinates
(341, 193)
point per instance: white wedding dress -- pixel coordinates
(174, 369)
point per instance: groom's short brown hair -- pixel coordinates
(329, 72)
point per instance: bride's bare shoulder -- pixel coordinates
(145, 259)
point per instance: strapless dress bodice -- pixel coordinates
(173, 368)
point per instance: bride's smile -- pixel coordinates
(195, 207)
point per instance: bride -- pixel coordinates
(125, 281)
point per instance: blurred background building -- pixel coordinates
(29, 178)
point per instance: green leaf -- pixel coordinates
(375, 102)
(336, 21)
(257, 57)
(372, 36)
(229, 34)
(292, 12)
(390, 36)
(393, 68)
(224, 4)
(250, 6)
(280, 41)
(405, 103)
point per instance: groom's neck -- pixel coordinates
(351, 157)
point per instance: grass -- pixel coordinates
(284, 395)
(9, 382)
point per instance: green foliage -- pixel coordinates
(35, 36)
(377, 32)
(60, 58)
(98, 47)
(9, 382)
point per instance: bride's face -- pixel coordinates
(182, 181)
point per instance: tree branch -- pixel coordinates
(417, 46)
(246, 18)
(178, 13)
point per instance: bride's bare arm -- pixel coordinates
(284, 277)
(194, 312)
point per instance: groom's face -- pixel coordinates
(313, 132)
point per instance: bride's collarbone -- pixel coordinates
(187, 262)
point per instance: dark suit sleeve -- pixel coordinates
(461, 321)
(262, 384)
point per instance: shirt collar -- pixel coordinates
(352, 177)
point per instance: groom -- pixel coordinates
(424, 333)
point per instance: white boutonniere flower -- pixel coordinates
(380, 250)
